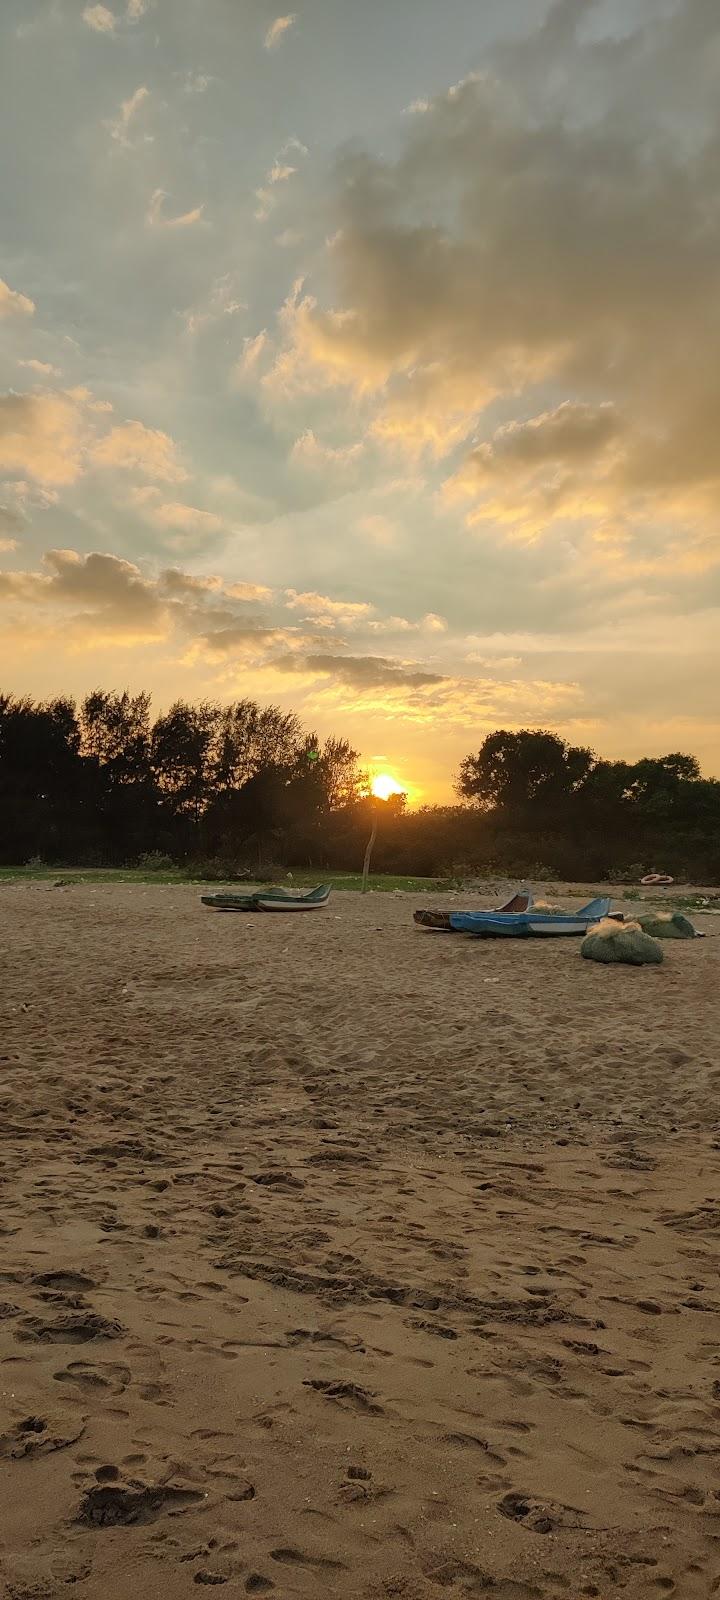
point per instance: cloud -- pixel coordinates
(112, 596)
(280, 172)
(154, 215)
(253, 592)
(359, 672)
(11, 521)
(13, 303)
(132, 447)
(105, 597)
(119, 126)
(563, 463)
(174, 517)
(573, 432)
(320, 609)
(278, 29)
(253, 351)
(242, 639)
(56, 436)
(44, 435)
(197, 82)
(546, 240)
(221, 301)
(30, 496)
(43, 367)
(100, 19)
(309, 451)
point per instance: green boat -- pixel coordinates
(269, 900)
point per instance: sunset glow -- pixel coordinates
(384, 786)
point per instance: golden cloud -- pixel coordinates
(155, 213)
(320, 608)
(45, 435)
(45, 368)
(100, 19)
(119, 126)
(309, 451)
(174, 515)
(132, 446)
(13, 303)
(529, 239)
(278, 29)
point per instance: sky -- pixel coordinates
(365, 360)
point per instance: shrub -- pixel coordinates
(155, 861)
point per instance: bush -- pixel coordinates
(631, 874)
(155, 861)
(218, 869)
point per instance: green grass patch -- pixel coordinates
(382, 883)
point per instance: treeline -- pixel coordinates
(245, 787)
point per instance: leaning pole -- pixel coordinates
(368, 853)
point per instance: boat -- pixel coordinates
(269, 900)
(528, 924)
(441, 923)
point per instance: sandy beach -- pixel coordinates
(340, 1258)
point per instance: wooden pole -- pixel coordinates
(368, 853)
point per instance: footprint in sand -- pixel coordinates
(319, 1336)
(94, 1376)
(73, 1281)
(39, 1436)
(540, 1516)
(349, 1395)
(287, 1555)
(108, 1505)
(70, 1327)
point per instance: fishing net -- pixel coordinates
(624, 942)
(666, 925)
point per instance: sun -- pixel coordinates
(383, 786)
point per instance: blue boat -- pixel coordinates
(528, 924)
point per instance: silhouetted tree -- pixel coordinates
(514, 770)
(181, 756)
(115, 730)
(246, 783)
(248, 738)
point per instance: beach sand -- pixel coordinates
(345, 1259)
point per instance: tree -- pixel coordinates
(528, 768)
(181, 755)
(657, 783)
(249, 737)
(40, 777)
(115, 730)
(332, 772)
